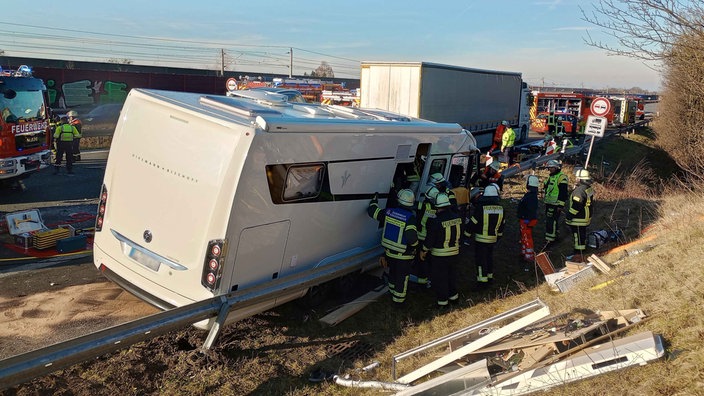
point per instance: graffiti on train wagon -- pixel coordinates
(85, 93)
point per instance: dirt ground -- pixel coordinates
(45, 306)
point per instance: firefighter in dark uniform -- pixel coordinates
(73, 120)
(487, 226)
(443, 243)
(579, 212)
(438, 180)
(426, 210)
(63, 137)
(399, 239)
(556, 191)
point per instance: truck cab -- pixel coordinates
(24, 125)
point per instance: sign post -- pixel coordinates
(596, 123)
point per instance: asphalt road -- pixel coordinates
(44, 186)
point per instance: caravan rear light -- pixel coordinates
(212, 266)
(101, 209)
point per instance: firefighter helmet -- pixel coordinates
(504, 123)
(492, 190)
(475, 193)
(72, 113)
(437, 178)
(553, 164)
(405, 197)
(532, 181)
(495, 165)
(583, 175)
(431, 193)
(442, 200)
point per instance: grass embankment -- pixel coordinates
(274, 353)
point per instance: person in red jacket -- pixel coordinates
(498, 135)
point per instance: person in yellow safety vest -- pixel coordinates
(579, 212)
(399, 239)
(527, 213)
(73, 120)
(556, 191)
(486, 225)
(551, 119)
(507, 142)
(425, 210)
(443, 244)
(63, 136)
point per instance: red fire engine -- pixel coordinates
(24, 125)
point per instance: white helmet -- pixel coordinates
(532, 181)
(504, 122)
(436, 178)
(72, 113)
(431, 192)
(492, 190)
(442, 200)
(495, 165)
(405, 197)
(583, 174)
(553, 164)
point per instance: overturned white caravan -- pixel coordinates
(209, 195)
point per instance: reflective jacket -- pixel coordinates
(399, 236)
(66, 133)
(508, 139)
(426, 211)
(555, 188)
(444, 232)
(579, 206)
(487, 221)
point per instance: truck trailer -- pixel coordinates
(476, 99)
(208, 195)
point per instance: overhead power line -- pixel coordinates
(64, 43)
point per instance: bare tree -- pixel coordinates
(671, 32)
(324, 70)
(645, 29)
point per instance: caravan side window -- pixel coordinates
(294, 183)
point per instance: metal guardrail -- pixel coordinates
(25, 367)
(534, 162)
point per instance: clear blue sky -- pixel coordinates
(544, 40)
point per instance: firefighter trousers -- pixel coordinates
(579, 236)
(527, 250)
(552, 216)
(443, 273)
(484, 258)
(398, 278)
(67, 148)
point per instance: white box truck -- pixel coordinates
(476, 99)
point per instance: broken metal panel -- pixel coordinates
(532, 312)
(457, 382)
(638, 349)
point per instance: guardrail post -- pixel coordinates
(216, 329)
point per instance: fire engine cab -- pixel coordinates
(24, 125)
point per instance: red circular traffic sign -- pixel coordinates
(231, 84)
(600, 107)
